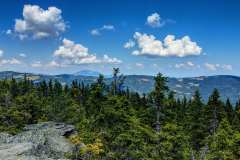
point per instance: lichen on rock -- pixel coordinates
(43, 141)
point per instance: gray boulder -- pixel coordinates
(4, 137)
(43, 141)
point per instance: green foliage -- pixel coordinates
(195, 120)
(220, 144)
(115, 123)
(173, 143)
(214, 112)
(159, 89)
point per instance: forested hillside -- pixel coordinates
(115, 123)
(228, 85)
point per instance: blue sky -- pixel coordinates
(177, 38)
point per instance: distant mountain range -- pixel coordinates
(229, 86)
(87, 73)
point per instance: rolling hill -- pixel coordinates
(229, 86)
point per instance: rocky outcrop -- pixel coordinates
(43, 141)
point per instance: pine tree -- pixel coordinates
(236, 117)
(214, 112)
(116, 71)
(25, 85)
(220, 143)
(236, 145)
(13, 87)
(160, 88)
(196, 121)
(229, 110)
(173, 143)
(43, 89)
(237, 109)
(57, 89)
(50, 87)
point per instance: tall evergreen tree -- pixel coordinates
(116, 71)
(229, 110)
(196, 119)
(160, 89)
(220, 143)
(214, 112)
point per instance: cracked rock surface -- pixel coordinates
(43, 141)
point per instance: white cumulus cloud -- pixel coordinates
(148, 45)
(22, 55)
(214, 67)
(9, 61)
(107, 59)
(1, 53)
(180, 65)
(186, 65)
(73, 53)
(51, 64)
(56, 64)
(38, 23)
(189, 63)
(129, 44)
(107, 27)
(227, 67)
(139, 65)
(211, 67)
(97, 31)
(36, 64)
(14, 61)
(154, 20)
(9, 32)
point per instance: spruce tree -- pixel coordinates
(229, 110)
(220, 143)
(196, 119)
(214, 112)
(159, 91)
